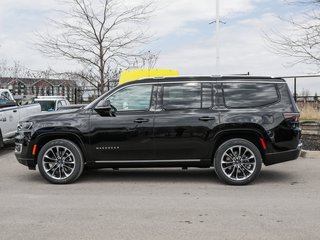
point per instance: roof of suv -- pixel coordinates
(209, 78)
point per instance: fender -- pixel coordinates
(230, 130)
(241, 127)
(44, 135)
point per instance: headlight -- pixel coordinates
(24, 126)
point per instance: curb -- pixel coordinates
(310, 154)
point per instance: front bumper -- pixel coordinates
(279, 157)
(23, 152)
(29, 162)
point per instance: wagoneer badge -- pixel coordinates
(108, 148)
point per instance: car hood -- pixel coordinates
(53, 116)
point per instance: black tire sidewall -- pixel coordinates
(1, 139)
(224, 147)
(78, 161)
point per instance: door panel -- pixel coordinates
(122, 137)
(15, 117)
(9, 121)
(182, 135)
(184, 121)
(127, 134)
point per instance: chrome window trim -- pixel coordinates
(199, 81)
(149, 161)
(178, 81)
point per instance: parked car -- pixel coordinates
(234, 124)
(71, 106)
(11, 114)
(51, 103)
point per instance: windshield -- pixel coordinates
(47, 105)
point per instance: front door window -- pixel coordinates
(132, 98)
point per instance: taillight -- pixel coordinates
(294, 117)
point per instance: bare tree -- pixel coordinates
(302, 42)
(4, 69)
(16, 70)
(305, 93)
(101, 35)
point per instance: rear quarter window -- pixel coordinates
(247, 95)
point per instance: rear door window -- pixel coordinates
(193, 95)
(246, 95)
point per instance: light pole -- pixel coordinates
(218, 36)
(217, 22)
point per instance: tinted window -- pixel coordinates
(244, 95)
(217, 96)
(47, 105)
(132, 98)
(182, 96)
(206, 95)
(5, 96)
(187, 96)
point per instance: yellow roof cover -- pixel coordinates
(131, 75)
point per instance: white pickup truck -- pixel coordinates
(10, 115)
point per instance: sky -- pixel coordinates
(182, 35)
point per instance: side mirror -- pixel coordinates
(106, 109)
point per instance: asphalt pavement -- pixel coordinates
(146, 204)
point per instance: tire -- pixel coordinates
(234, 168)
(60, 161)
(1, 140)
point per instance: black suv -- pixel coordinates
(233, 124)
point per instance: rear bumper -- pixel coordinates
(274, 158)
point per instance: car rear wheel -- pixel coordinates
(237, 162)
(60, 161)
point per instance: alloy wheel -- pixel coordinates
(58, 162)
(238, 163)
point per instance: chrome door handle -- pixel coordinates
(141, 120)
(15, 110)
(205, 119)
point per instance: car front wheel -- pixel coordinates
(237, 162)
(60, 161)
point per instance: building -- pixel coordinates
(40, 87)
